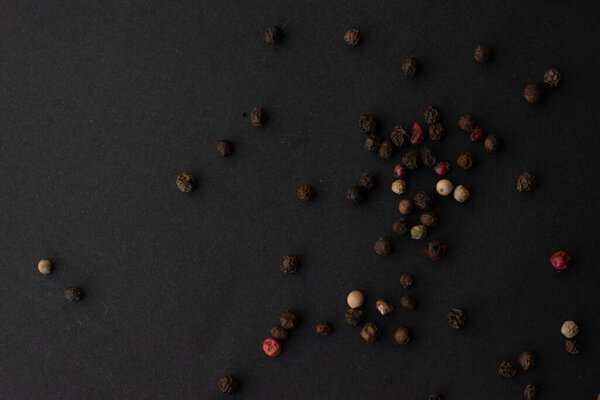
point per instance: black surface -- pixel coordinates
(103, 104)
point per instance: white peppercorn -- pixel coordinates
(461, 194)
(399, 186)
(444, 187)
(45, 266)
(418, 232)
(355, 299)
(569, 329)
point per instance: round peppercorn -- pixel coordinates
(432, 115)
(386, 150)
(45, 267)
(372, 143)
(533, 93)
(526, 181)
(411, 159)
(356, 194)
(527, 360)
(444, 187)
(456, 318)
(224, 147)
(400, 171)
(324, 329)
(306, 193)
(272, 347)
(406, 280)
(428, 156)
(424, 199)
(552, 78)
(279, 333)
(491, 143)
(228, 384)
(429, 219)
(569, 329)
(561, 260)
(442, 168)
(461, 194)
(367, 181)
(408, 302)
(384, 307)
(417, 134)
(273, 35)
(482, 54)
(467, 122)
(289, 319)
(402, 335)
(436, 132)
(435, 250)
(399, 186)
(477, 134)
(186, 182)
(383, 246)
(466, 160)
(507, 369)
(401, 226)
(73, 294)
(572, 347)
(418, 232)
(370, 332)
(355, 299)
(531, 391)
(405, 206)
(400, 136)
(257, 117)
(355, 317)
(289, 264)
(411, 67)
(367, 124)
(352, 37)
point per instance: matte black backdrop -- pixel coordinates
(103, 104)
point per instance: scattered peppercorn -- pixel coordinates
(306, 193)
(356, 194)
(228, 384)
(477, 134)
(399, 186)
(432, 115)
(386, 150)
(272, 347)
(352, 37)
(483, 54)
(279, 333)
(406, 280)
(384, 307)
(456, 318)
(401, 226)
(324, 329)
(367, 124)
(552, 78)
(355, 299)
(466, 160)
(370, 332)
(436, 396)
(491, 143)
(367, 181)
(436, 249)
(533, 93)
(444, 187)
(408, 302)
(436, 132)
(411, 159)
(461, 193)
(273, 35)
(224, 147)
(531, 391)
(400, 136)
(417, 134)
(569, 329)
(411, 67)
(289, 264)
(527, 360)
(289, 319)
(73, 294)
(257, 117)
(428, 156)
(467, 122)
(383, 246)
(442, 168)
(45, 266)
(418, 232)
(572, 347)
(424, 199)
(561, 260)
(402, 335)
(186, 182)
(400, 171)
(405, 206)
(507, 369)
(429, 219)
(354, 316)
(526, 181)
(372, 143)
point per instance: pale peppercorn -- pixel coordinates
(384, 307)
(569, 329)
(399, 186)
(355, 299)
(461, 194)
(444, 187)
(418, 232)
(45, 267)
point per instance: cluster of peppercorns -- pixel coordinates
(288, 320)
(359, 193)
(569, 330)
(534, 92)
(508, 369)
(74, 293)
(491, 142)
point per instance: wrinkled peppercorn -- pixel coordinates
(432, 115)
(418, 232)
(273, 34)
(424, 199)
(466, 160)
(467, 122)
(560, 260)
(367, 181)
(228, 384)
(279, 333)
(526, 181)
(405, 206)
(429, 219)
(306, 193)
(45, 267)
(289, 264)
(224, 147)
(399, 186)
(572, 346)
(477, 134)
(408, 302)
(372, 143)
(436, 396)
(383, 246)
(289, 319)
(411, 67)
(552, 78)
(417, 134)
(352, 37)
(401, 226)
(491, 143)
(402, 335)
(367, 124)
(271, 347)
(533, 93)
(186, 182)
(527, 360)
(370, 332)
(483, 54)
(355, 316)
(569, 329)
(324, 329)
(456, 318)
(461, 193)
(406, 280)
(436, 132)
(73, 294)
(257, 117)
(400, 136)
(384, 307)
(531, 391)
(507, 369)
(428, 157)
(386, 150)
(435, 250)
(411, 159)
(356, 194)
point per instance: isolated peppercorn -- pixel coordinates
(355, 299)
(367, 181)
(273, 35)
(552, 78)
(417, 134)
(271, 347)
(477, 134)
(224, 147)
(444, 187)
(466, 160)
(370, 332)
(186, 182)
(352, 37)
(306, 193)
(418, 232)
(533, 93)
(45, 267)
(257, 117)
(383, 246)
(456, 318)
(428, 156)
(367, 124)
(572, 347)
(569, 329)
(405, 206)
(429, 219)
(356, 194)
(400, 136)
(324, 329)
(561, 260)
(386, 150)
(527, 360)
(384, 307)
(372, 143)
(424, 199)
(289, 319)
(491, 143)
(408, 302)
(289, 264)
(483, 54)
(436, 132)
(354, 316)
(531, 391)
(73, 294)
(461, 193)
(411, 159)
(526, 181)
(279, 333)
(406, 280)
(402, 335)
(507, 369)
(467, 122)
(411, 67)
(399, 186)
(436, 396)
(442, 168)
(436, 249)
(228, 384)
(400, 171)
(401, 226)
(432, 115)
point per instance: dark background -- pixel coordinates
(103, 104)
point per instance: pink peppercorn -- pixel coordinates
(417, 134)
(400, 171)
(476, 134)
(442, 168)
(272, 347)
(561, 260)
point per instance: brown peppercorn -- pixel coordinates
(386, 150)
(436, 132)
(411, 159)
(279, 333)
(408, 302)
(424, 199)
(400, 136)
(257, 117)
(531, 391)
(418, 232)
(428, 156)
(355, 316)
(491, 143)
(466, 160)
(367, 124)
(186, 182)
(45, 267)
(273, 35)
(324, 329)
(527, 181)
(352, 37)
(405, 206)
(229, 384)
(483, 54)
(507, 369)
(401, 226)
(572, 346)
(402, 335)
(370, 332)
(356, 194)
(432, 115)
(289, 319)
(399, 186)
(406, 280)
(289, 264)
(367, 181)
(372, 143)
(411, 67)
(383, 246)
(73, 294)
(435, 250)
(429, 219)
(384, 307)
(456, 318)
(552, 78)
(467, 122)
(224, 147)
(436, 396)
(306, 193)
(533, 93)
(527, 360)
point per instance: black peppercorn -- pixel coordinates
(411, 159)
(482, 54)
(432, 115)
(507, 369)
(491, 143)
(356, 194)
(224, 147)
(324, 329)
(408, 302)
(367, 181)
(372, 143)
(533, 93)
(401, 226)
(527, 360)
(467, 122)
(526, 181)
(402, 335)
(531, 391)
(272, 34)
(572, 346)
(456, 318)
(279, 333)
(436, 396)
(257, 117)
(466, 160)
(424, 199)
(355, 316)
(400, 136)
(289, 264)
(367, 124)
(289, 319)
(383, 246)
(428, 157)
(386, 150)
(552, 78)
(436, 132)
(73, 294)
(406, 280)
(352, 37)
(229, 384)
(411, 67)
(429, 219)
(306, 193)
(186, 182)
(370, 332)
(435, 250)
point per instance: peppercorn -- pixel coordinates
(477, 134)
(411, 67)
(442, 168)
(355, 299)
(466, 160)
(436, 396)
(456, 318)
(400, 136)
(279, 333)
(356, 194)
(401, 226)
(402, 335)
(399, 186)
(432, 115)
(384, 307)
(405, 206)
(367, 181)
(436, 131)
(352, 37)
(561, 260)
(224, 147)
(372, 143)
(370, 332)
(383, 246)
(491, 143)
(186, 182)
(408, 302)
(257, 117)
(411, 159)
(444, 187)
(324, 329)
(386, 150)
(355, 317)
(73, 294)
(272, 347)
(417, 134)
(45, 266)
(306, 193)
(527, 181)
(461, 193)
(429, 219)
(436, 249)
(424, 199)
(289, 319)
(533, 93)
(273, 35)
(483, 54)
(418, 232)
(527, 360)
(467, 122)
(400, 171)
(228, 384)
(367, 124)
(507, 369)
(531, 391)
(406, 280)
(569, 329)
(572, 347)
(289, 264)
(552, 78)
(428, 156)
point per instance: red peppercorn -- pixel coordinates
(442, 168)
(561, 260)
(272, 347)
(417, 134)
(476, 134)
(400, 171)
